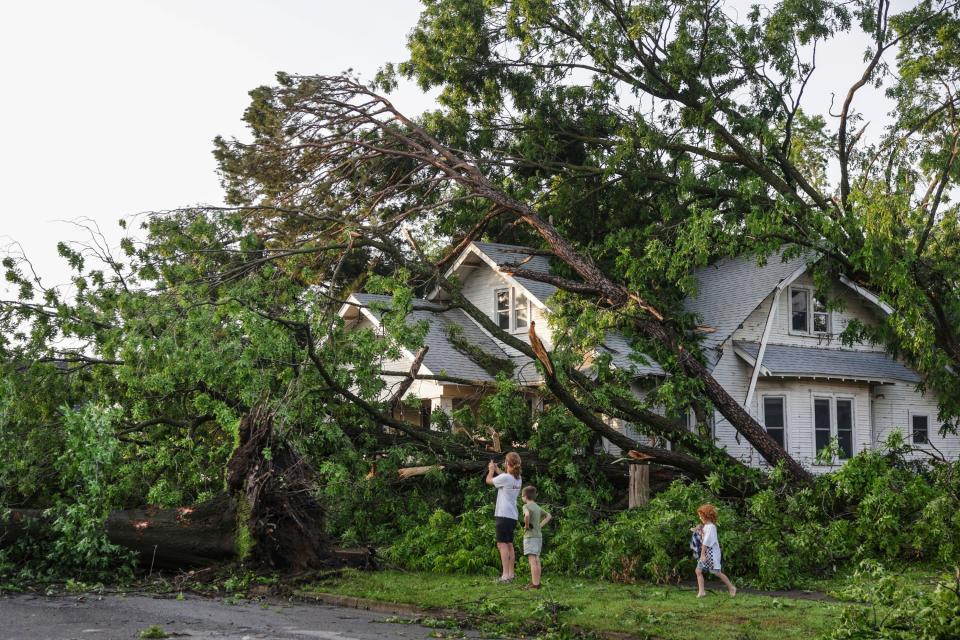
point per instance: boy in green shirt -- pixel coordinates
(533, 519)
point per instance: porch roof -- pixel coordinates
(786, 361)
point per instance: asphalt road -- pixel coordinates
(114, 617)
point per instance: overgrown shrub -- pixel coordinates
(70, 540)
(877, 507)
(893, 610)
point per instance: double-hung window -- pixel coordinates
(511, 309)
(808, 312)
(775, 418)
(920, 428)
(833, 418)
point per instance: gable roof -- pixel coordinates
(505, 254)
(789, 361)
(729, 290)
(442, 357)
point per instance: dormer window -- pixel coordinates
(503, 308)
(511, 309)
(521, 310)
(806, 317)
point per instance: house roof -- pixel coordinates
(442, 357)
(505, 254)
(787, 361)
(622, 356)
(729, 290)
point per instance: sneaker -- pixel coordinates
(504, 580)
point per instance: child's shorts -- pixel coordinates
(505, 529)
(532, 546)
(704, 566)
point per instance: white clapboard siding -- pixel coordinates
(479, 286)
(892, 411)
(854, 307)
(878, 408)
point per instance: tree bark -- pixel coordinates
(162, 538)
(268, 517)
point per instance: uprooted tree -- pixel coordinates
(689, 142)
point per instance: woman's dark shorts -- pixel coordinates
(505, 529)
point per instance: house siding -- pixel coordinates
(892, 412)
(854, 308)
(480, 283)
(878, 408)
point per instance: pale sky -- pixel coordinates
(110, 106)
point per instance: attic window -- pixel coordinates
(799, 309)
(502, 302)
(801, 318)
(511, 309)
(521, 311)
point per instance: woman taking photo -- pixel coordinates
(508, 484)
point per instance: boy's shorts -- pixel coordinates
(532, 546)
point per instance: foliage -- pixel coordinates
(895, 611)
(75, 543)
(875, 508)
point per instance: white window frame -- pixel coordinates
(496, 308)
(919, 414)
(786, 422)
(811, 295)
(511, 309)
(514, 308)
(832, 400)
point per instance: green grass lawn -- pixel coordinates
(591, 605)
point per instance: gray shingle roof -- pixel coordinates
(503, 254)
(729, 291)
(442, 356)
(794, 362)
(622, 356)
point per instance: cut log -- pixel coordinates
(162, 538)
(267, 518)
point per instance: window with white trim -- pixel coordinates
(502, 308)
(808, 312)
(521, 311)
(799, 310)
(512, 309)
(775, 418)
(920, 428)
(833, 418)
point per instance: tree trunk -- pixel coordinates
(268, 517)
(162, 538)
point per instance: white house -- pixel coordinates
(774, 346)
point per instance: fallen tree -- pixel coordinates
(267, 518)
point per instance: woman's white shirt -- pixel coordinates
(508, 492)
(710, 540)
